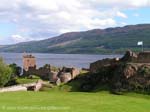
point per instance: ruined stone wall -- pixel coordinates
(53, 77)
(75, 72)
(41, 72)
(95, 67)
(31, 71)
(143, 57)
(65, 77)
(129, 57)
(45, 73)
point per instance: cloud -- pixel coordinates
(120, 14)
(18, 38)
(38, 19)
(123, 4)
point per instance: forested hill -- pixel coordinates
(110, 40)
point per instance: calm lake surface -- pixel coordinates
(68, 60)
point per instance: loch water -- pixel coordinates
(60, 60)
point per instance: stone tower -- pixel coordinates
(29, 61)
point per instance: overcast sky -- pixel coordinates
(26, 20)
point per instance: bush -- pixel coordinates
(15, 69)
(144, 70)
(5, 73)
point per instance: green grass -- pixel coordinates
(26, 80)
(73, 102)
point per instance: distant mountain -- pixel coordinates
(110, 40)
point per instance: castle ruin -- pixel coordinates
(45, 72)
(29, 61)
(129, 57)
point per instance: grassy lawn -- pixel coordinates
(26, 80)
(72, 102)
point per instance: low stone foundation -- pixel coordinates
(24, 87)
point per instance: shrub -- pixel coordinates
(5, 73)
(144, 70)
(15, 69)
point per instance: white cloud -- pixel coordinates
(120, 14)
(18, 38)
(42, 5)
(38, 19)
(121, 3)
